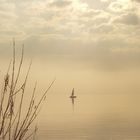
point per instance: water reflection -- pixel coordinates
(106, 128)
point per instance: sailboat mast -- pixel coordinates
(73, 91)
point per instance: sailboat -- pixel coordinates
(72, 97)
(72, 94)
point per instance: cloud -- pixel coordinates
(8, 19)
(128, 19)
(120, 6)
(136, 0)
(104, 0)
(73, 27)
(7, 11)
(60, 3)
(90, 13)
(103, 29)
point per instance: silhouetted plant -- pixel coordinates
(14, 123)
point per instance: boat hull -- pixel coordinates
(72, 96)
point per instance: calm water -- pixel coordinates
(101, 129)
(104, 117)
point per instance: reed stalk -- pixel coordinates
(12, 126)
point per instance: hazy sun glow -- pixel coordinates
(80, 6)
(124, 1)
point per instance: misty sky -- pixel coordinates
(104, 34)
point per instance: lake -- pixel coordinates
(95, 117)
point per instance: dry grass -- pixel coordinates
(13, 126)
